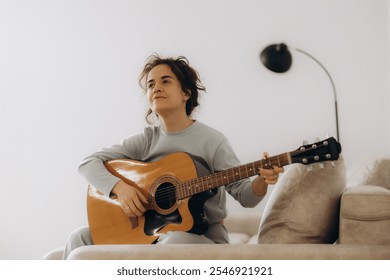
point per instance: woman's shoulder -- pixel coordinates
(210, 130)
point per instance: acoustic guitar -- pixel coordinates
(177, 187)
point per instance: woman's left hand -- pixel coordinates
(266, 177)
(271, 176)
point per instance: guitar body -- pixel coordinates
(110, 225)
(177, 187)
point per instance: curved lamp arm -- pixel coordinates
(333, 86)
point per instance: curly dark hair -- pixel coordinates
(187, 76)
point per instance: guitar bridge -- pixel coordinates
(134, 222)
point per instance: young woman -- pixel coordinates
(172, 86)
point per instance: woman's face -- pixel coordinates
(164, 91)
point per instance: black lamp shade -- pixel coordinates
(276, 58)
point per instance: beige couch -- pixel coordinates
(294, 225)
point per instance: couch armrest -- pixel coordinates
(365, 215)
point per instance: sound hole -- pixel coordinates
(165, 195)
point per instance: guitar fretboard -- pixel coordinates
(221, 178)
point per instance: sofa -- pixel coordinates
(310, 214)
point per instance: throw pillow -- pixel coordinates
(379, 173)
(304, 205)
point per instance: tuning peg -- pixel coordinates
(333, 164)
(309, 168)
(321, 165)
(304, 143)
(316, 139)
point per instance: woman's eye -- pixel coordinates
(166, 82)
(150, 85)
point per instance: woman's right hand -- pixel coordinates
(130, 198)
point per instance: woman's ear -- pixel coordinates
(186, 95)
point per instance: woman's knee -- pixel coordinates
(81, 236)
(179, 237)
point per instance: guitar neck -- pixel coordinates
(221, 178)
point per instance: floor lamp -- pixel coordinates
(277, 58)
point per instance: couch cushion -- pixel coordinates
(238, 238)
(378, 174)
(247, 223)
(304, 205)
(230, 252)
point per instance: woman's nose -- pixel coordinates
(157, 88)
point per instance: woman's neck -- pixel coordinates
(175, 123)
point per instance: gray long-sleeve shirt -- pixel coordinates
(198, 139)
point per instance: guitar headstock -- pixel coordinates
(325, 150)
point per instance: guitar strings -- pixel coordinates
(167, 193)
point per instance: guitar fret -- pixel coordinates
(197, 186)
(214, 180)
(184, 190)
(220, 178)
(205, 183)
(200, 183)
(188, 190)
(206, 186)
(225, 177)
(249, 171)
(230, 174)
(252, 170)
(240, 172)
(179, 190)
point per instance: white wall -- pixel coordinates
(388, 68)
(68, 85)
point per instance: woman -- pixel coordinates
(172, 89)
